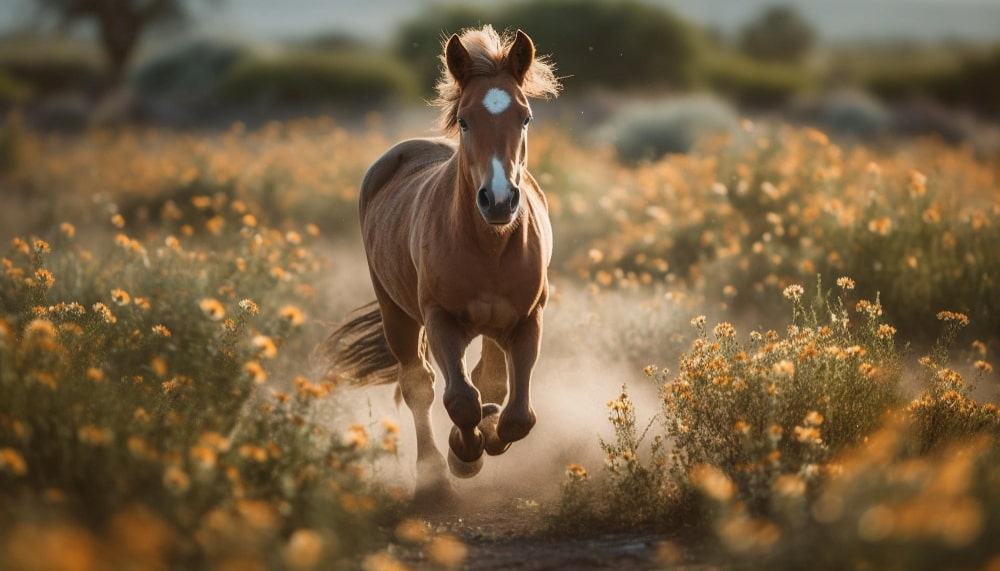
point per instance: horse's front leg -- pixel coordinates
(518, 417)
(448, 340)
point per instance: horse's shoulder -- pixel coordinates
(405, 158)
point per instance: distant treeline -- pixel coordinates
(595, 44)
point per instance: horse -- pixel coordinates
(458, 243)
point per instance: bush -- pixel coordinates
(648, 131)
(48, 67)
(779, 33)
(754, 83)
(12, 91)
(357, 80)
(190, 72)
(156, 409)
(781, 405)
(853, 116)
(969, 83)
(739, 418)
(280, 175)
(604, 43)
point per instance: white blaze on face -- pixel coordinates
(496, 100)
(499, 184)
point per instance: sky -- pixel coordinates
(835, 20)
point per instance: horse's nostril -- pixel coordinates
(515, 198)
(484, 199)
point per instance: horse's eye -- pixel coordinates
(527, 120)
(463, 125)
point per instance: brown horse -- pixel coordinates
(458, 242)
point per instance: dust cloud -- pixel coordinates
(593, 344)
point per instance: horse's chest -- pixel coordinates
(488, 300)
(491, 311)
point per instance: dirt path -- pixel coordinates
(512, 536)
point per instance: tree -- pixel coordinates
(120, 23)
(779, 34)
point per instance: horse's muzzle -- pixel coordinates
(495, 212)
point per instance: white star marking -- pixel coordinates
(496, 100)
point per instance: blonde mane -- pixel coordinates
(488, 51)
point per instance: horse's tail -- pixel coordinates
(357, 352)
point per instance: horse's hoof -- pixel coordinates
(464, 450)
(463, 469)
(512, 429)
(488, 426)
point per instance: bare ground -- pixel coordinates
(512, 535)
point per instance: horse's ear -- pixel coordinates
(520, 56)
(458, 59)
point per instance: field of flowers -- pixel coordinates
(162, 291)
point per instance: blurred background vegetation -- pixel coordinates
(72, 63)
(179, 180)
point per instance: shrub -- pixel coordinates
(604, 43)
(739, 419)
(781, 405)
(966, 81)
(646, 132)
(754, 83)
(155, 407)
(190, 71)
(357, 80)
(12, 92)
(779, 33)
(48, 67)
(848, 115)
(281, 175)
(736, 221)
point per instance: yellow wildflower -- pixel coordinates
(956, 317)
(793, 292)
(12, 461)
(249, 306)
(120, 296)
(446, 551)
(176, 480)
(256, 371)
(292, 314)
(212, 308)
(266, 345)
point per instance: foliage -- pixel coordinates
(966, 81)
(289, 174)
(848, 115)
(739, 220)
(12, 144)
(12, 91)
(647, 132)
(781, 405)
(753, 83)
(604, 43)
(779, 33)
(45, 67)
(792, 451)
(191, 70)
(119, 24)
(349, 78)
(154, 405)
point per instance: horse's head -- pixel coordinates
(490, 81)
